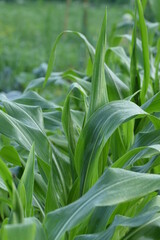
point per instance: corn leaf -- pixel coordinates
(19, 231)
(24, 125)
(27, 180)
(145, 48)
(9, 154)
(96, 133)
(116, 88)
(148, 217)
(113, 183)
(6, 176)
(99, 94)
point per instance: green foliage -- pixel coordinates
(24, 46)
(86, 166)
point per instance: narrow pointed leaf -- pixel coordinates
(6, 176)
(27, 180)
(99, 94)
(145, 48)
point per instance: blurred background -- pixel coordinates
(28, 30)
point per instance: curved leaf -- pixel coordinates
(112, 188)
(24, 124)
(139, 222)
(135, 154)
(116, 88)
(97, 131)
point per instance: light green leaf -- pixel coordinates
(17, 214)
(152, 105)
(135, 154)
(40, 233)
(17, 211)
(10, 154)
(6, 176)
(23, 231)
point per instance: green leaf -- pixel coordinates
(114, 186)
(24, 125)
(135, 154)
(149, 230)
(120, 53)
(17, 214)
(145, 47)
(10, 154)
(51, 59)
(122, 139)
(152, 105)
(139, 222)
(57, 77)
(157, 62)
(116, 88)
(40, 233)
(155, 8)
(6, 176)
(147, 138)
(99, 91)
(135, 80)
(19, 231)
(32, 115)
(52, 120)
(27, 180)
(99, 219)
(97, 131)
(17, 211)
(59, 181)
(52, 202)
(68, 124)
(33, 99)
(54, 196)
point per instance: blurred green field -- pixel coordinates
(27, 32)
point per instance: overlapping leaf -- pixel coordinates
(113, 183)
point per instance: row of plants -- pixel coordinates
(24, 49)
(87, 165)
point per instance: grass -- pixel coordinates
(27, 32)
(86, 166)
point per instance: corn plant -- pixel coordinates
(86, 167)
